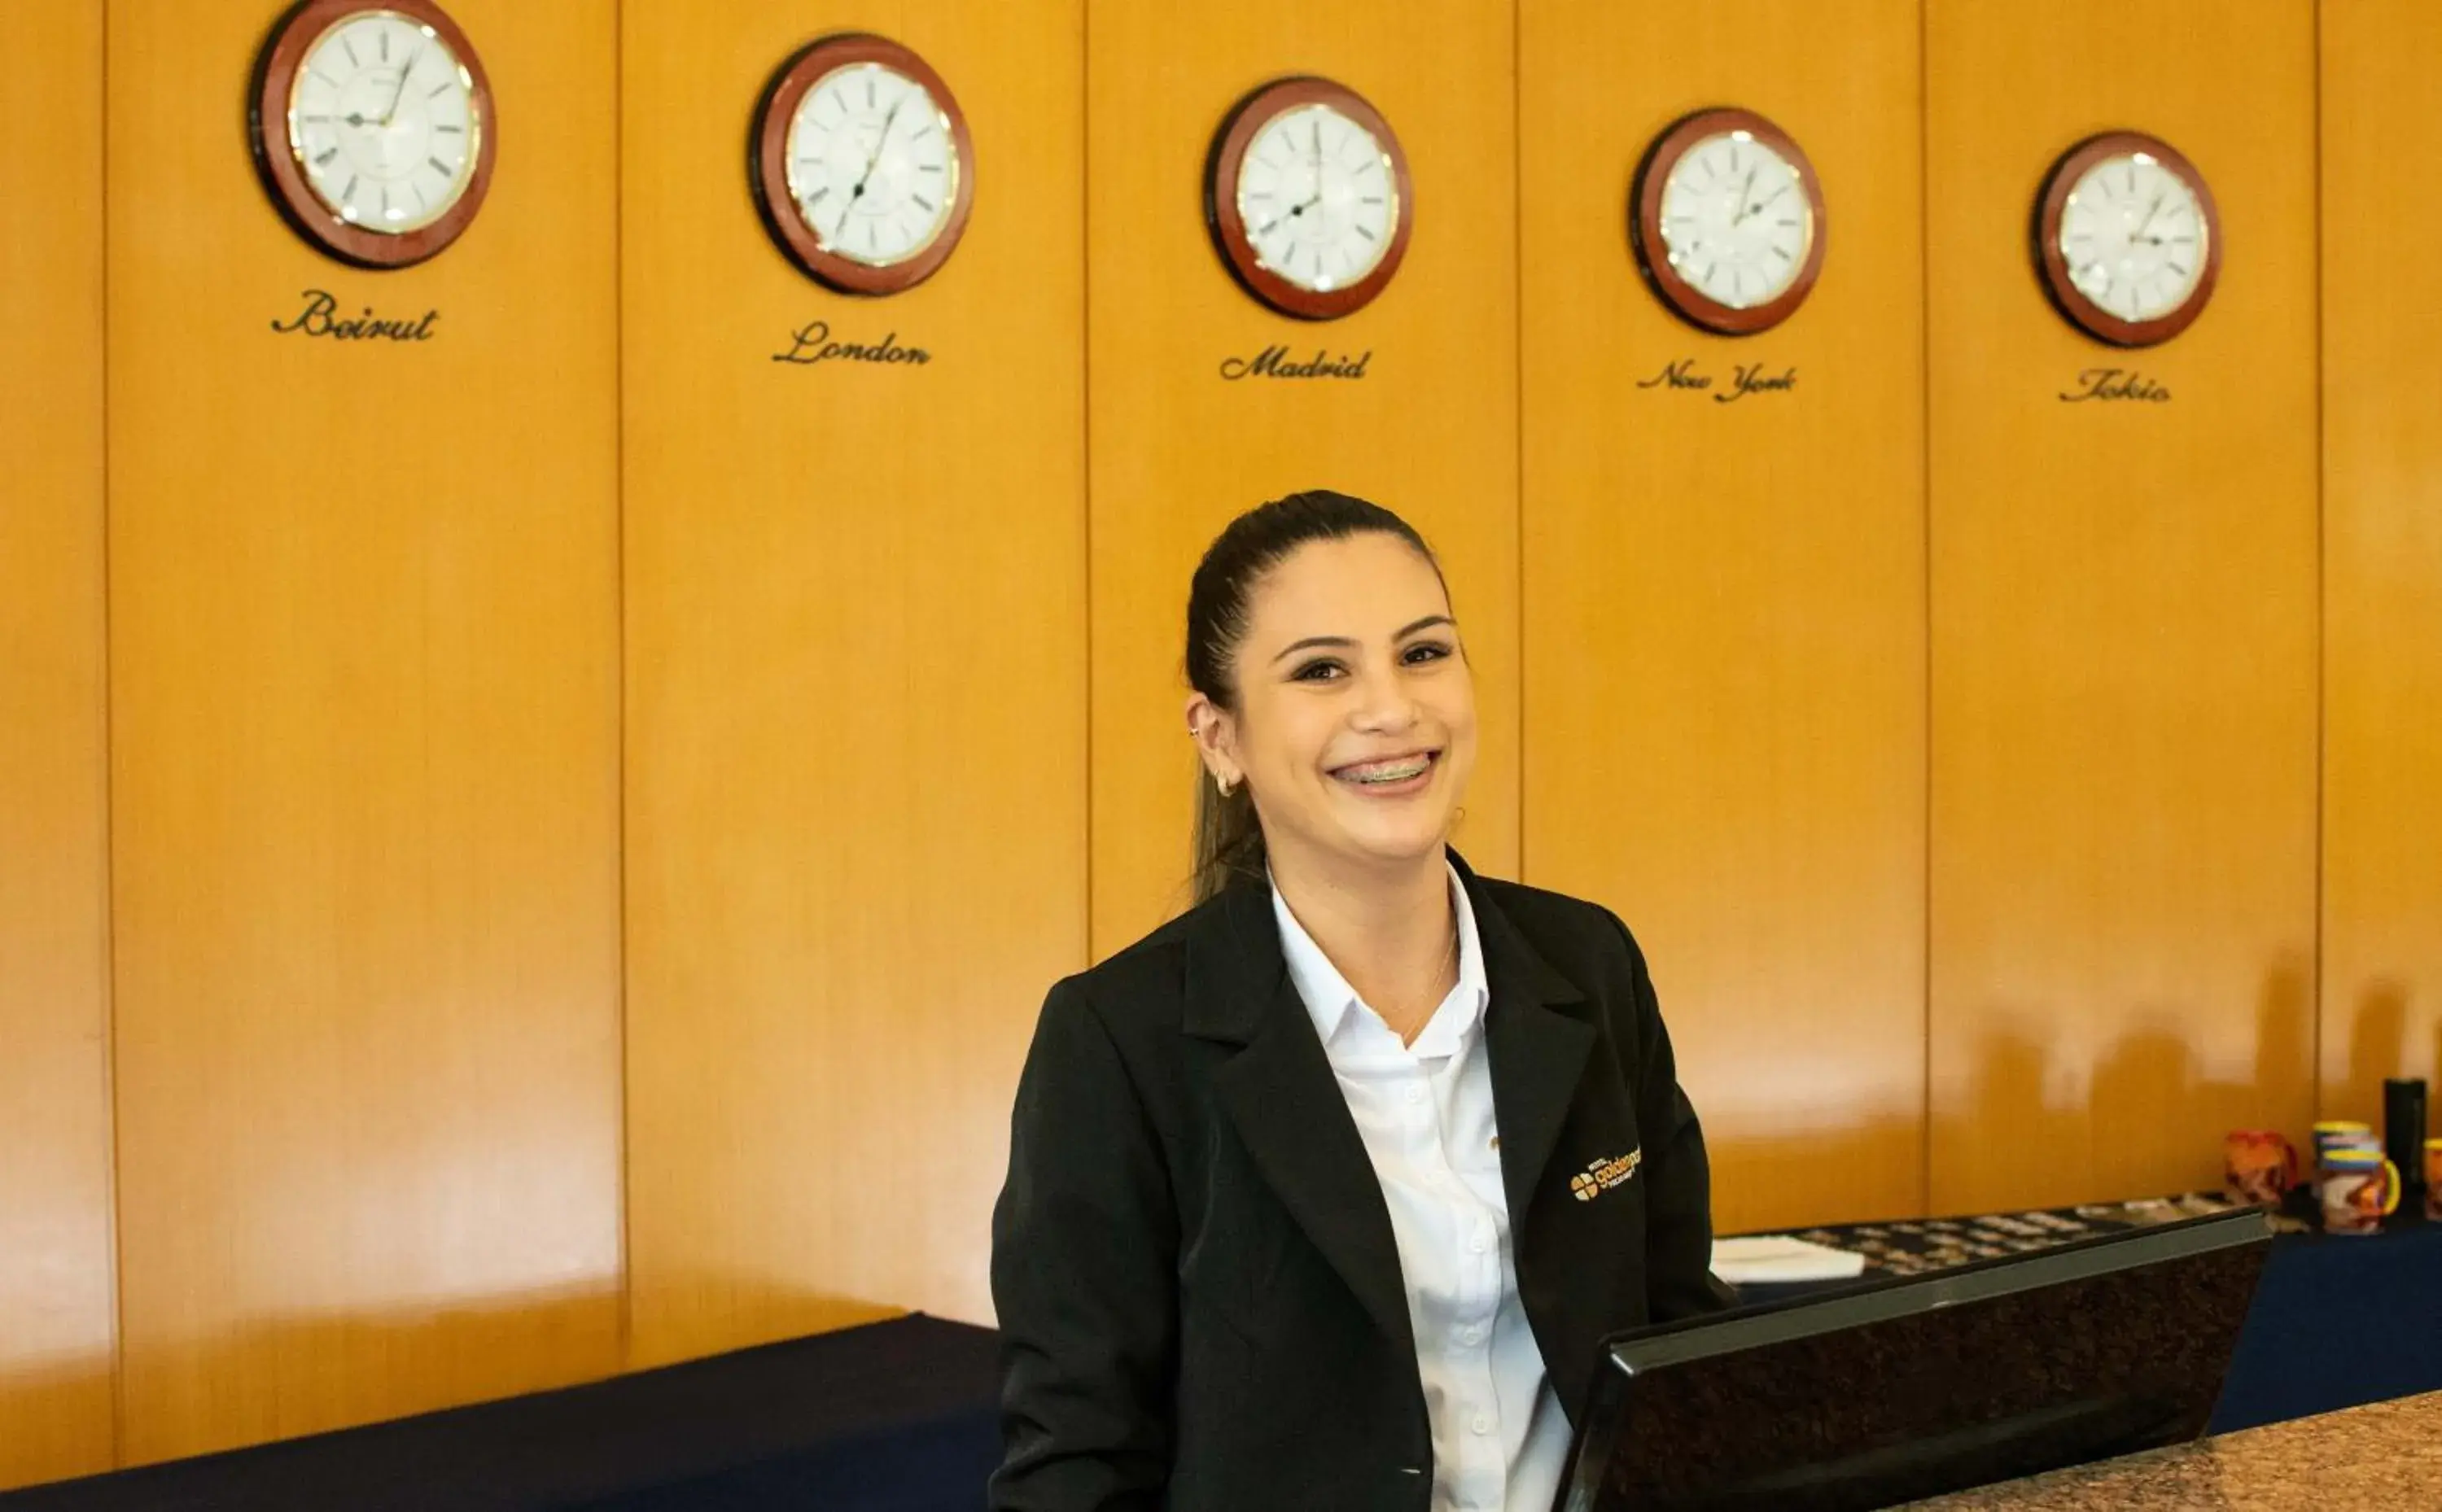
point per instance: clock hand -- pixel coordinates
(858, 192)
(1744, 190)
(2139, 234)
(1266, 229)
(1315, 198)
(1312, 200)
(1299, 209)
(400, 93)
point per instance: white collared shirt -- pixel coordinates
(1425, 1111)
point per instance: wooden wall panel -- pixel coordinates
(1952, 750)
(1724, 601)
(2123, 624)
(365, 762)
(2382, 555)
(856, 693)
(56, 1300)
(1176, 450)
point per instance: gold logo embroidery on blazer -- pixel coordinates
(1602, 1173)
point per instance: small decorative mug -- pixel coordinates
(2433, 1179)
(2346, 1133)
(2260, 1164)
(2359, 1189)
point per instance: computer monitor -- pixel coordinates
(1890, 1390)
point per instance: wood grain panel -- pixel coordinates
(1176, 450)
(856, 693)
(56, 1298)
(1725, 605)
(2123, 624)
(2382, 555)
(365, 700)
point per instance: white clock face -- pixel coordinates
(383, 122)
(1736, 220)
(872, 166)
(1318, 197)
(2133, 237)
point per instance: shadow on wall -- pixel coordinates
(687, 1314)
(2377, 1049)
(306, 1372)
(55, 1420)
(1816, 1178)
(2150, 1122)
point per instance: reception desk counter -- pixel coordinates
(902, 1416)
(2387, 1455)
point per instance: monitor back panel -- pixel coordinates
(1930, 1400)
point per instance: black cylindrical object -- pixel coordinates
(2404, 1128)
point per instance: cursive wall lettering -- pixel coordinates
(812, 343)
(1751, 378)
(1273, 362)
(1679, 374)
(320, 318)
(2115, 383)
(1745, 378)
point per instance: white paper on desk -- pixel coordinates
(1778, 1257)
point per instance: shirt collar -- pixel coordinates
(1329, 999)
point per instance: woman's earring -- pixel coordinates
(1221, 782)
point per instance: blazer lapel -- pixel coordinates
(1537, 1053)
(1282, 1096)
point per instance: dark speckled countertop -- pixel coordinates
(2387, 1455)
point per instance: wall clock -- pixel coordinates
(861, 166)
(1307, 195)
(2127, 239)
(1727, 223)
(372, 128)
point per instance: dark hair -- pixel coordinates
(1229, 841)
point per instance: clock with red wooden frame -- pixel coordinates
(2127, 239)
(861, 164)
(1726, 219)
(372, 128)
(1307, 196)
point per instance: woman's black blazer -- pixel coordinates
(1199, 1294)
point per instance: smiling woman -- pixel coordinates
(1347, 659)
(1297, 1211)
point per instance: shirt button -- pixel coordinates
(1415, 1093)
(1472, 1333)
(1483, 1423)
(1477, 1244)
